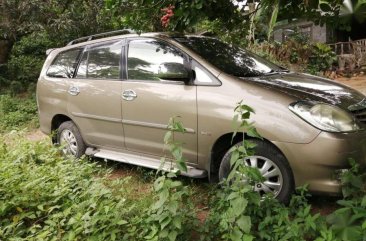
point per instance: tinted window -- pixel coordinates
(64, 64)
(230, 59)
(146, 56)
(101, 62)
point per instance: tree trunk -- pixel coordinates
(251, 32)
(5, 48)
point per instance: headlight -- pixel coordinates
(325, 117)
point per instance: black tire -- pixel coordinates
(265, 151)
(69, 129)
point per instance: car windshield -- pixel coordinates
(230, 59)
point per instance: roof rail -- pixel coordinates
(100, 35)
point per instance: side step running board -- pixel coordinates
(143, 161)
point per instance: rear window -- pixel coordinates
(64, 65)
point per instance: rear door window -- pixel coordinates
(101, 62)
(64, 64)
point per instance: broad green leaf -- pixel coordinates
(233, 195)
(249, 144)
(252, 132)
(122, 222)
(245, 115)
(244, 223)
(363, 202)
(177, 222)
(159, 183)
(163, 196)
(177, 152)
(247, 237)
(239, 204)
(171, 175)
(247, 108)
(234, 157)
(175, 184)
(167, 137)
(351, 233)
(152, 233)
(113, 236)
(172, 235)
(236, 234)
(182, 166)
(163, 234)
(71, 236)
(234, 122)
(165, 222)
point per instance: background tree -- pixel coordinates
(29, 27)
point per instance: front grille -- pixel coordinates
(360, 115)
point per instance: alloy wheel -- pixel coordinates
(68, 142)
(273, 180)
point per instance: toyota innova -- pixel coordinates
(111, 96)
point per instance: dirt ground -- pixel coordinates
(36, 135)
(357, 82)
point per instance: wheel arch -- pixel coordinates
(222, 145)
(57, 120)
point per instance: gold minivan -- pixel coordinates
(111, 97)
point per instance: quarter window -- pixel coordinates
(101, 62)
(146, 58)
(64, 64)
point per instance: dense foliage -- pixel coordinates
(29, 28)
(44, 196)
(298, 53)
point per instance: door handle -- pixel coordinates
(129, 95)
(73, 90)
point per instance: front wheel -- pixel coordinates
(69, 138)
(278, 177)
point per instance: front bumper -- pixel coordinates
(316, 163)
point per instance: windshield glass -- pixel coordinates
(230, 59)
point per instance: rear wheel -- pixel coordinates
(278, 177)
(69, 138)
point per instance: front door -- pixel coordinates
(149, 102)
(95, 96)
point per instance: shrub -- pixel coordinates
(24, 70)
(17, 112)
(26, 60)
(349, 221)
(297, 53)
(321, 59)
(172, 216)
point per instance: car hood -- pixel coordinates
(311, 88)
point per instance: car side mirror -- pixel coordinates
(173, 71)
